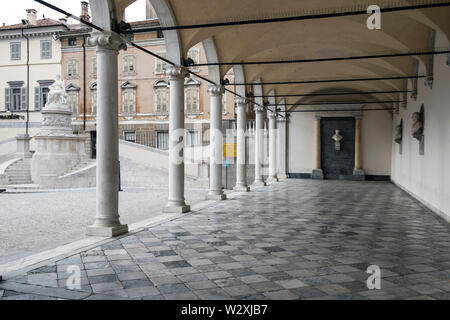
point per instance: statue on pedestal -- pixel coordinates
(57, 93)
(337, 140)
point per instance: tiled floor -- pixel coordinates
(298, 239)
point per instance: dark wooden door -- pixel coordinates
(338, 164)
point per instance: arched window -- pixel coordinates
(161, 96)
(191, 96)
(128, 97)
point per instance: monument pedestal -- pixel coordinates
(57, 149)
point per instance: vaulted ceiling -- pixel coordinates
(405, 31)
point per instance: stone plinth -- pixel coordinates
(23, 146)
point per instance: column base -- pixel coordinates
(272, 179)
(176, 209)
(241, 188)
(283, 176)
(358, 175)
(259, 183)
(107, 231)
(317, 174)
(215, 196)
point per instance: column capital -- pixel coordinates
(271, 115)
(240, 101)
(258, 109)
(177, 72)
(107, 41)
(216, 90)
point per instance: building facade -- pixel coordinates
(60, 48)
(144, 89)
(30, 60)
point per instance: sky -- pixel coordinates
(14, 11)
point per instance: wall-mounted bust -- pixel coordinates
(417, 127)
(337, 140)
(399, 133)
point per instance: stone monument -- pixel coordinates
(57, 148)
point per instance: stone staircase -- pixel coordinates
(81, 165)
(19, 172)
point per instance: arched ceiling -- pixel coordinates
(406, 31)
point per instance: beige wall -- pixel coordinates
(39, 69)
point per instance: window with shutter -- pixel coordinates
(7, 99)
(46, 49)
(160, 65)
(23, 98)
(94, 102)
(191, 98)
(128, 101)
(128, 64)
(162, 100)
(72, 102)
(15, 99)
(15, 50)
(72, 68)
(37, 98)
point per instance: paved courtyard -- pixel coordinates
(300, 239)
(32, 222)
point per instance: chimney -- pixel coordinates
(85, 11)
(31, 17)
(63, 21)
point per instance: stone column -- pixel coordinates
(259, 146)
(281, 144)
(107, 222)
(317, 171)
(358, 172)
(176, 202)
(272, 147)
(241, 169)
(216, 144)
